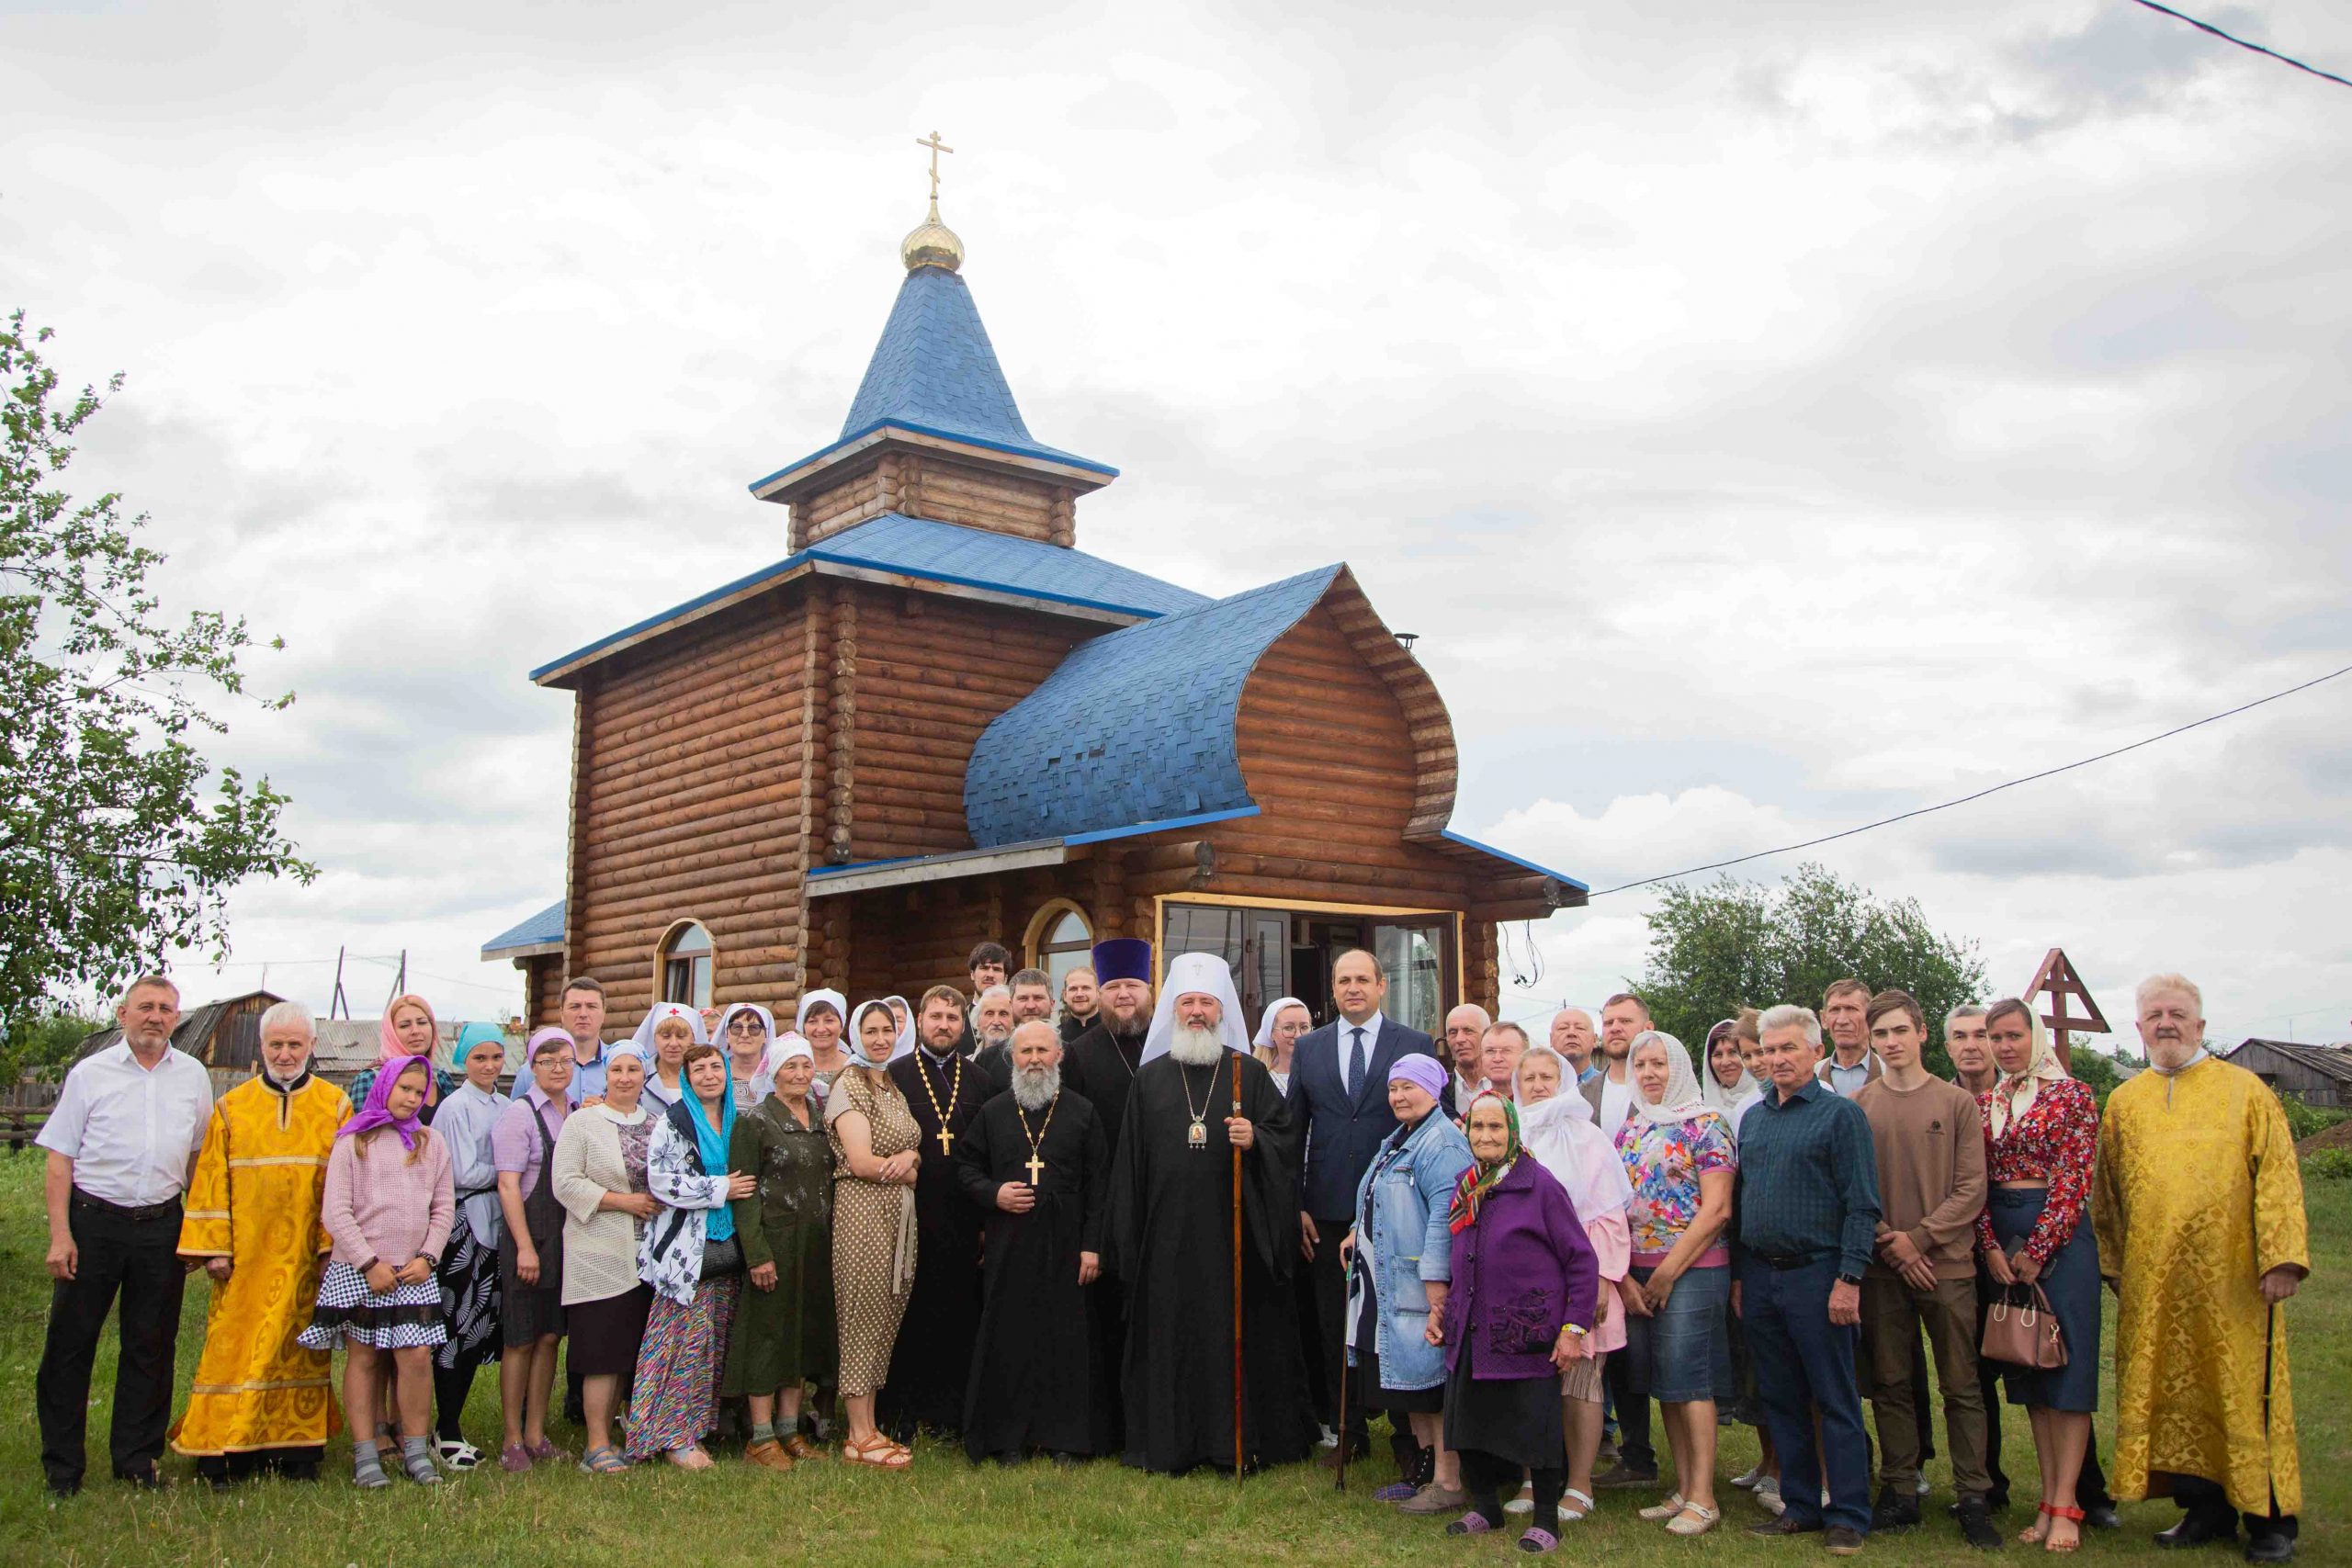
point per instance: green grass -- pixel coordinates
(946, 1511)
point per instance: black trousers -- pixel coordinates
(452, 1386)
(1483, 1476)
(133, 1253)
(2208, 1503)
(1627, 1373)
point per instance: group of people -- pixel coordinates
(969, 1216)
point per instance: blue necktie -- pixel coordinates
(1356, 1063)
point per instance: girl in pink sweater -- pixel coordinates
(388, 1208)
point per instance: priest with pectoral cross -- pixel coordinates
(1035, 1162)
(1199, 1096)
(932, 1361)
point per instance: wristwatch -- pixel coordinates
(1854, 1280)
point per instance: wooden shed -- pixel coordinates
(937, 722)
(2317, 1074)
(224, 1035)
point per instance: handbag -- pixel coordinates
(2025, 1332)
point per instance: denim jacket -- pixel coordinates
(1401, 1205)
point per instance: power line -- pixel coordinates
(2242, 43)
(1965, 799)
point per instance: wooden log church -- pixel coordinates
(938, 722)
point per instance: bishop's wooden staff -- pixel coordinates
(1232, 1062)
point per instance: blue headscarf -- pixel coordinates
(719, 1224)
(468, 1037)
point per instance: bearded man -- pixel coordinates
(1199, 1096)
(993, 1021)
(931, 1363)
(1034, 1161)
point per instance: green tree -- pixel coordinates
(116, 844)
(1735, 943)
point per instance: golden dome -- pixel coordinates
(933, 243)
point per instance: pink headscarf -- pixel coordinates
(387, 1042)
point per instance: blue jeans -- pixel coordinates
(1803, 1361)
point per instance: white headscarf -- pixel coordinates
(1560, 1133)
(836, 1103)
(1681, 1100)
(1725, 1101)
(906, 1045)
(2013, 1093)
(653, 1018)
(1187, 973)
(809, 1000)
(1265, 1040)
(727, 1016)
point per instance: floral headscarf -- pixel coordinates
(1481, 1178)
(2013, 1093)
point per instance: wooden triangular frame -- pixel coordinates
(2057, 979)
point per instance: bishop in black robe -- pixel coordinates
(1172, 1243)
(1033, 1368)
(931, 1363)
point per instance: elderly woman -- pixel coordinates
(1558, 1130)
(600, 1179)
(747, 1032)
(689, 1255)
(1278, 1033)
(2041, 1139)
(665, 1034)
(407, 1029)
(1400, 1260)
(388, 1206)
(1679, 1158)
(468, 1272)
(876, 1145)
(260, 1399)
(1522, 1265)
(530, 1246)
(818, 1019)
(784, 1325)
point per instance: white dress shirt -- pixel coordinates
(1371, 1028)
(130, 1130)
(1616, 1102)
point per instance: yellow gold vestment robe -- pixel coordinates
(255, 1201)
(2197, 1196)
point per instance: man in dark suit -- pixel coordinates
(1338, 1095)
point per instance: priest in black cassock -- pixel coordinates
(1035, 1162)
(1172, 1238)
(1100, 1067)
(932, 1361)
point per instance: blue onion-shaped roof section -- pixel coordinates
(541, 930)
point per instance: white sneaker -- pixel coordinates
(1522, 1504)
(1746, 1483)
(1768, 1497)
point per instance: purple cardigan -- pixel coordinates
(1522, 1271)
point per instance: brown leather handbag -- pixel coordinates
(2025, 1332)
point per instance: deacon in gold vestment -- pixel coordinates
(2199, 1204)
(261, 1401)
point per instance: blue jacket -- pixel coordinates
(1341, 1132)
(1402, 1206)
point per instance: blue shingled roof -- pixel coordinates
(1135, 726)
(540, 931)
(935, 373)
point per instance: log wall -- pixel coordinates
(928, 484)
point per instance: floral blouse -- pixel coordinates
(1664, 1163)
(2055, 1141)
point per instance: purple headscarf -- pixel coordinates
(375, 1114)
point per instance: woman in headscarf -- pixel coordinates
(468, 1272)
(1727, 1086)
(747, 1032)
(407, 1029)
(600, 1179)
(1559, 1131)
(387, 1207)
(902, 1016)
(1398, 1259)
(820, 1019)
(1679, 1161)
(689, 1255)
(876, 1148)
(530, 1246)
(1515, 1317)
(665, 1034)
(1278, 1033)
(1731, 1084)
(2040, 1142)
(784, 1325)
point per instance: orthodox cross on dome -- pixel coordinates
(933, 243)
(937, 147)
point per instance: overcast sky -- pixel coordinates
(1772, 418)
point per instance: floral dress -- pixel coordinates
(1663, 1163)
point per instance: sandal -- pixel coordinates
(2036, 1532)
(2073, 1517)
(878, 1451)
(1684, 1523)
(457, 1453)
(514, 1458)
(692, 1456)
(1537, 1542)
(801, 1448)
(1525, 1503)
(545, 1451)
(1585, 1498)
(1472, 1523)
(1666, 1510)
(602, 1461)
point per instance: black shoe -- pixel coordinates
(2270, 1547)
(61, 1490)
(1976, 1525)
(147, 1480)
(1623, 1477)
(2102, 1516)
(1784, 1525)
(1843, 1541)
(2195, 1531)
(1897, 1510)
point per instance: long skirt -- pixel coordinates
(1517, 1419)
(470, 1298)
(676, 1396)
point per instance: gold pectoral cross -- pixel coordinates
(1036, 1168)
(946, 1140)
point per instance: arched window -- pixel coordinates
(685, 964)
(1060, 941)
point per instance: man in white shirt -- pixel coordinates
(1466, 1034)
(122, 1145)
(1609, 1092)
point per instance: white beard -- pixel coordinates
(1034, 1089)
(1196, 1047)
(989, 1042)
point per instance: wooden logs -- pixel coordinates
(845, 718)
(1195, 855)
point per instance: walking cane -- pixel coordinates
(1339, 1480)
(1237, 1280)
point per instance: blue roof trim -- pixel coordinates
(917, 546)
(1135, 725)
(1017, 449)
(1468, 842)
(541, 929)
(1133, 831)
(1164, 825)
